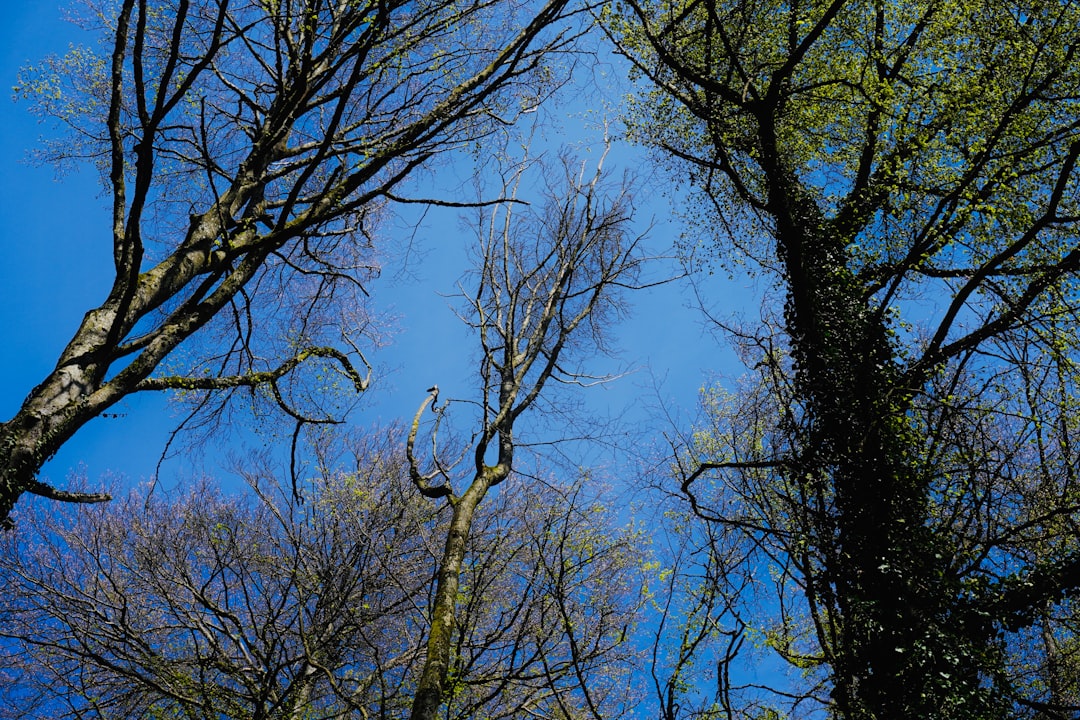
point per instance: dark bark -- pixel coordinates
(779, 129)
(880, 563)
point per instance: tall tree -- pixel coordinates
(244, 145)
(874, 155)
(546, 285)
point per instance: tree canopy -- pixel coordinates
(250, 607)
(881, 515)
(907, 174)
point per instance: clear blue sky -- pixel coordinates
(57, 265)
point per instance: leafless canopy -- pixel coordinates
(544, 284)
(254, 607)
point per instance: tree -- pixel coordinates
(252, 606)
(908, 172)
(245, 146)
(545, 287)
(697, 631)
(209, 605)
(548, 597)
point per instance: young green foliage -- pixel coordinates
(880, 153)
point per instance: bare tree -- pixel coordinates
(245, 146)
(696, 623)
(255, 607)
(549, 594)
(209, 605)
(546, 286)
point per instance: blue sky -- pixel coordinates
(57, 266)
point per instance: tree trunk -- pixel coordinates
(431, 690)
(50, 415)
(900, 642)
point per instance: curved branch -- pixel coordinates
(420, 480)
(254, 379)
